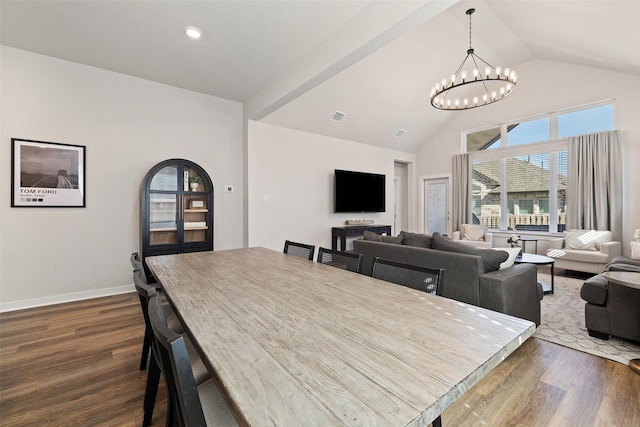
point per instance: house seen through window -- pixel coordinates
(519, 170)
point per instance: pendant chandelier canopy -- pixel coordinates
(474, 84)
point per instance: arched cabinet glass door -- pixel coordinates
(177, 209)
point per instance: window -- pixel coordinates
(582, 122)
(519, 169)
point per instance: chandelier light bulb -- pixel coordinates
(193, 32)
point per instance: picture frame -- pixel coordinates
(47, 174)
(196, 204)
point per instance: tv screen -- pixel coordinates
(359, 191)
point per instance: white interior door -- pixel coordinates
(436, 205)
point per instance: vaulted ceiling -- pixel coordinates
(294, 63)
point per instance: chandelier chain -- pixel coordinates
(470, 31)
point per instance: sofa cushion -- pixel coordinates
(490, 258)
(370, 235)
(594, 257)
(586, 240)
(416, 239)
(472, 232)
(580, 240)
(513, 253)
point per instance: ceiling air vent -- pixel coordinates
(399, 133)
(338, 116)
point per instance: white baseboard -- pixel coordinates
(59, 299)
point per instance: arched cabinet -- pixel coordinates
(177, 209)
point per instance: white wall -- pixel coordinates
(544, 87)
(290, 184)
(50, 255)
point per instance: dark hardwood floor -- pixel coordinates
(76, 364)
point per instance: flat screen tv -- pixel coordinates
(359, 191)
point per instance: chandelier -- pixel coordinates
(474, 84)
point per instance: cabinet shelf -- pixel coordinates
(196, 210)
(196, 228)
(159, 230)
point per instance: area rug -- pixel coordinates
(563, 323)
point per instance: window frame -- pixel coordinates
(552, 146)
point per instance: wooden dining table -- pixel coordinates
(293, 342)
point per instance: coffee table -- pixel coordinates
(526, 258)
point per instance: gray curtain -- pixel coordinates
(594, 184)
(460, 189)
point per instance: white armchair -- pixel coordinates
(584, 250)
(474, 235)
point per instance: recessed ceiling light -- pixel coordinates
(193, 32)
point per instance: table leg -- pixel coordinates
(552, 280)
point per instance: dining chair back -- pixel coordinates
(136, 263)
(345, 260)
(170, 352)
(299, 249)
(189, 404)
(413, 276)
(145, 292)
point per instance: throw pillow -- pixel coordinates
(579, 239)
(370, 235)
(490, 258)
(473, 232)
(635, 250)
(513, 253)
(415, 239)
(391, 239)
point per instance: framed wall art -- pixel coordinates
(47, 174)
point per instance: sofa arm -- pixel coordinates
(455, 235)
(488, 237)
(514, 291)
(612, 249)
(594, 290)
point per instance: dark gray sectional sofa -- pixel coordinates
(514, 291)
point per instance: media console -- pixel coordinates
(354, 231)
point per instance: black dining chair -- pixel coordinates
(345, 260)
(412, 276)
(188, 404)
(299, 249)
(145, 292)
